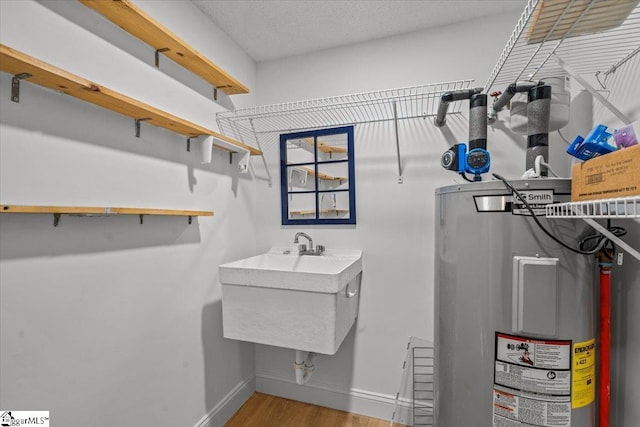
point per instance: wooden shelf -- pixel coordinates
(46, 75)
(135, 21)
(96, 211)
(322, 211)
(322, 176)
(563, 19)
(88, 210)
(324, 147)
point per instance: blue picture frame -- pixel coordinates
(316, 191)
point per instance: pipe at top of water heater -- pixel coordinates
(538, 115)
(447, 97)
(478, 121)
(509, 93)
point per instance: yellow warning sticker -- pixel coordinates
(583, 391)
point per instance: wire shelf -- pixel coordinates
(587, 54)
(423, 386)
(370, 107)
(414, 401)
(624, 207)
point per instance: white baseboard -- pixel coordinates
(361, 402)
(229, 405)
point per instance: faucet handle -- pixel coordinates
(302, 247)
(320, 249)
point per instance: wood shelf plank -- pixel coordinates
(94, 210)
(322, 211)
(321, 175)
(49, 76)
(135, 21)
(562, 19)
(323, 146)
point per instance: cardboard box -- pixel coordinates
(615, 174)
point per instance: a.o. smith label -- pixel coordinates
(537, 200)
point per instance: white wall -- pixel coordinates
(395, 221)
(104, 318)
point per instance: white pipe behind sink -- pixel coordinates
(304, 368)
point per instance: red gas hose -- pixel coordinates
(604, 387)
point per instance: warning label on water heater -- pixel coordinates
(584, 373)
(532, 382)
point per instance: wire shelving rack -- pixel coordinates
(621, 208)
(368, 107)
(589, 211)
(598, 54)
(257, 125)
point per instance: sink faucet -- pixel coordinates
(302, 249)
(306, 236)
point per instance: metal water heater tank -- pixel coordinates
(514, 319)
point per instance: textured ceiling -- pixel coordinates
(271, 29)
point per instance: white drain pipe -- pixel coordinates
(304, 368)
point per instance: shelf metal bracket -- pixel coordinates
(189, 143)
(215, 91)
(243, 160)
(190, 219)
(15, 86)
(158, 51)
(593, 91)
(395, 123)
(56, 219)
(141, 219)
(615, 239)
(137, 122)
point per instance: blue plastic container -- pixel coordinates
(594, 145)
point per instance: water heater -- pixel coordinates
(514, 318)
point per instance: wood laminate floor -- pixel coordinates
(263, 410)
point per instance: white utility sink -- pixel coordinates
(303, 302)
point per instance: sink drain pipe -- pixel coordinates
(304, 368)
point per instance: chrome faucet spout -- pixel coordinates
(306, 236)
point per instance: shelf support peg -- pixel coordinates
(158, 51)
(137, 122)
(15, 86)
